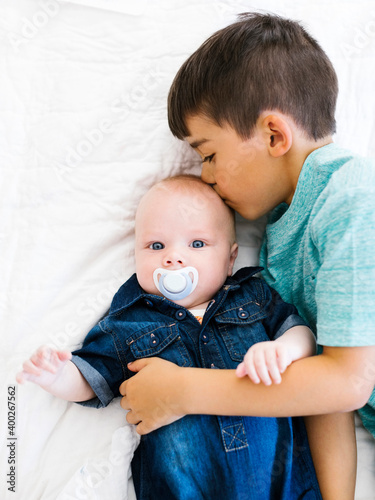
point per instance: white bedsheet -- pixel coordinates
(83, 134)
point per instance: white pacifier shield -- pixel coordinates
(176, 284)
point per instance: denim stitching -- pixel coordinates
(228, 342)
(236, 306)
(167, 328)
(258, 300)
(173, 337)
(236, 442)
(183, 352)
(121, 353)
(212, 350)
(131, 339)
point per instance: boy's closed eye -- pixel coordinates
(208, 159)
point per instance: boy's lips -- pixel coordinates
(225, 200)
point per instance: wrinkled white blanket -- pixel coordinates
(83, 134)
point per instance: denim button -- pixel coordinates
(181, 314)
(205, 338)
(149, 303)
(154, 340)
(242, 314)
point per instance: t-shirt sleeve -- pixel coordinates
(344, 234)
(99, 362)
(281, 316)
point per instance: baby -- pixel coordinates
(184, 305)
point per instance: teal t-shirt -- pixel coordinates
(319, 253)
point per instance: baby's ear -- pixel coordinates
(233, 257)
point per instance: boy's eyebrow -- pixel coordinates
(199, 142)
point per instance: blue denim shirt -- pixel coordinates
(202, 456)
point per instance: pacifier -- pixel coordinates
(176, 284)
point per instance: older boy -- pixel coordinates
(184, 306)
(257, 102)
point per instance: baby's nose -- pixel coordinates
(173, 259)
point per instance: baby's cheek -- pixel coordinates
(145, 280)
(211, 282)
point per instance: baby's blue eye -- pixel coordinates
(198, 244)
(157, 245)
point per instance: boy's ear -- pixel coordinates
(278, 132)
(233, 257)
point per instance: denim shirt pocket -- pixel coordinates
(240, 327)
(160, 340)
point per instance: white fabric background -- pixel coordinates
(83, 134)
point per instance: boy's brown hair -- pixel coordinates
(261, 62)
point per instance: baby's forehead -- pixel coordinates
(191, 201)
(199, 196)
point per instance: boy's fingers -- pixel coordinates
(137, 365)
(123, 393)
(142, 428)
(124, 403)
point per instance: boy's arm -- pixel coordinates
(340, 379)
(266, 361)
(331, 437)
(333, 448)
(55, 373)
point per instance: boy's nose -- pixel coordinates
(207, 175)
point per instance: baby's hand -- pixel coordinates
(44, 367)
(264, 362)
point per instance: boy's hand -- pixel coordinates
(152, 394)
(44, 367)
(264, 362)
